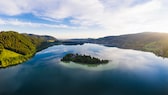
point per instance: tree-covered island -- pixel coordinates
(82, 59)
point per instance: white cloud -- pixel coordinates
(9, 7)
(118, 16)
(16, 22)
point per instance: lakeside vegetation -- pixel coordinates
(82, 59)
(16, 48)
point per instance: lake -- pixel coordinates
(129, 72)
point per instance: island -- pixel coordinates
(83, 59)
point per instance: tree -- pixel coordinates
(1, 48)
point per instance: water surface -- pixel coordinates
(129, 72)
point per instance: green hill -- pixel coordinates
(17, 42)
(16, 48)
(42, 41)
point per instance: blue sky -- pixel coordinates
(84, 18)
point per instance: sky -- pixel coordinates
(84, 18)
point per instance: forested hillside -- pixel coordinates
(16, 48)
(16, 42)
(42, 41)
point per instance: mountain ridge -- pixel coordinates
(146, 41)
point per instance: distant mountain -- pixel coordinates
(75, 41)
(16, 48)
(147, 41)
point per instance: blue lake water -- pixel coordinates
(129, 72)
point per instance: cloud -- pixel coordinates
(16, 22)
(119, 16)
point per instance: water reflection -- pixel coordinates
(129, 72)
(119, 58)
